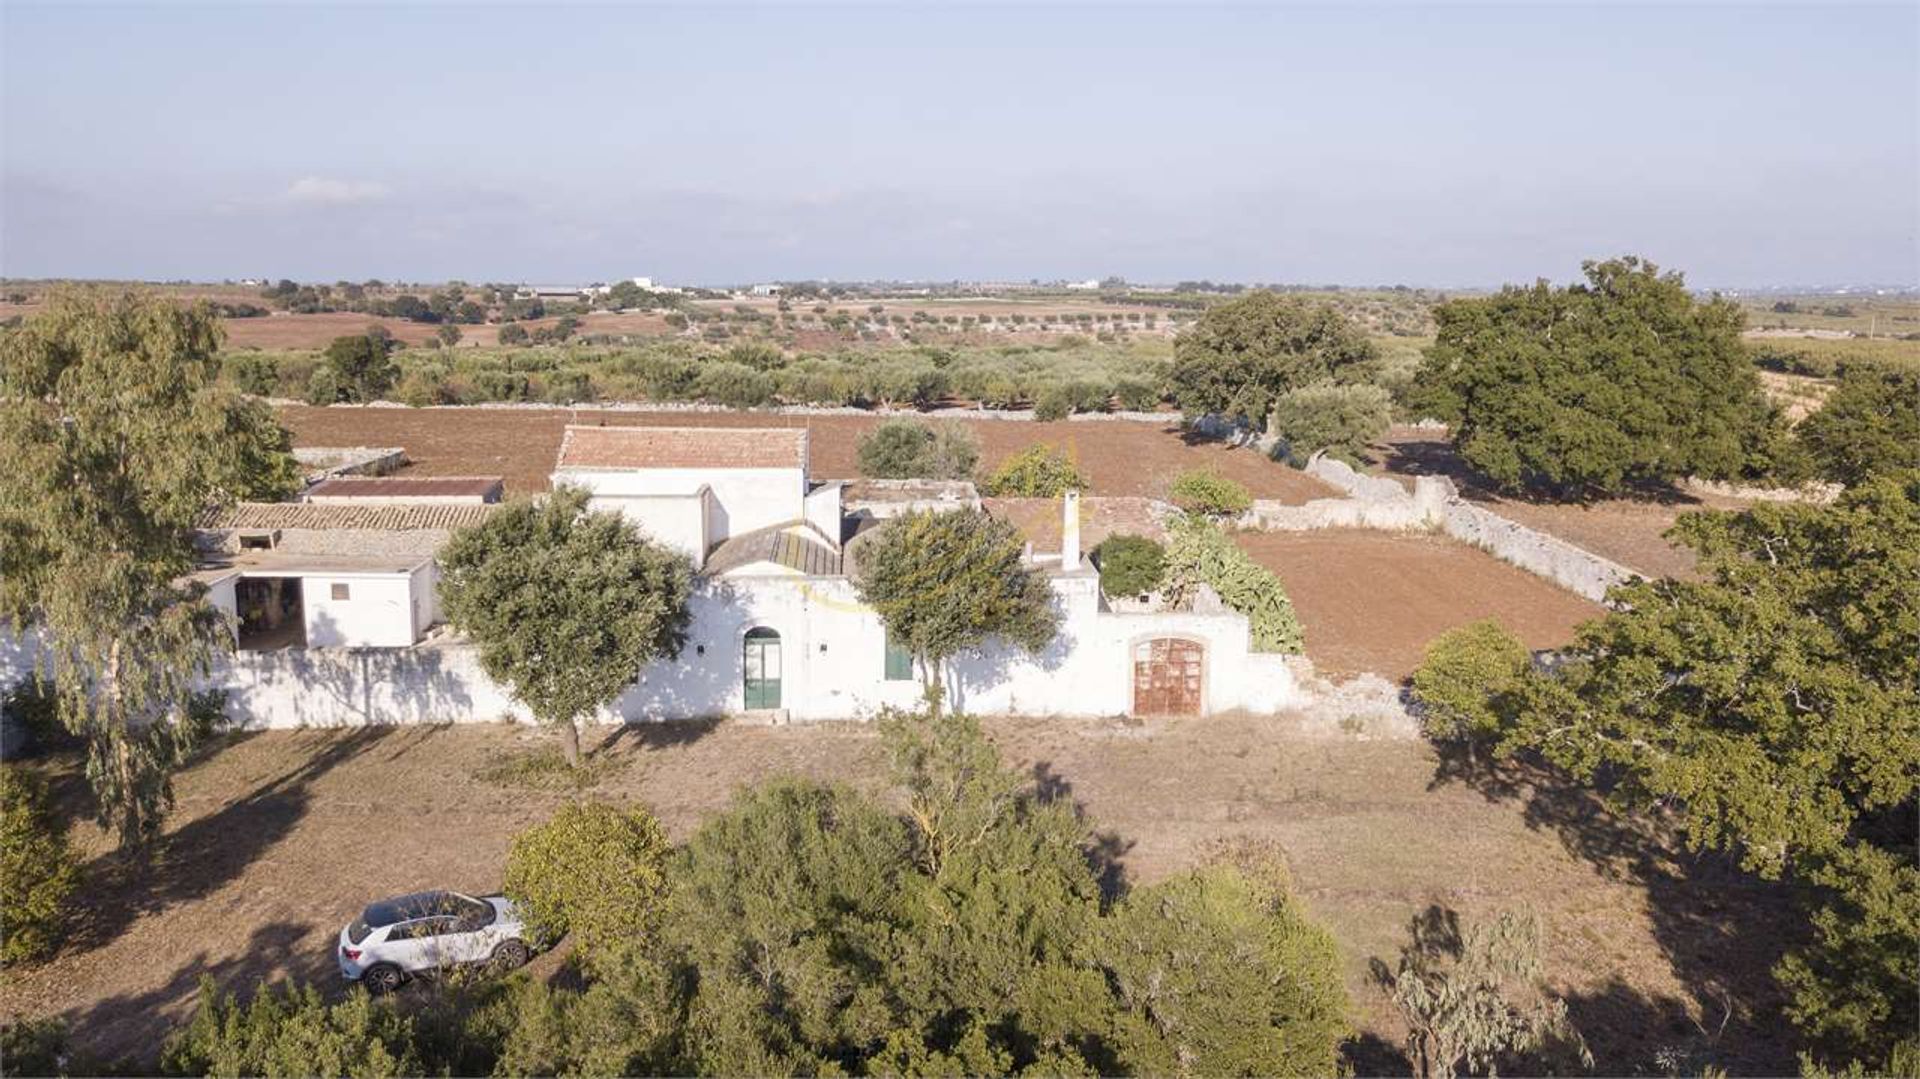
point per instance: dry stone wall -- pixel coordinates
(1434, 504)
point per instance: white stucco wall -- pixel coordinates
(823, 512)
(683, 522)
(832, 666)
(377, 613)
(743, 498)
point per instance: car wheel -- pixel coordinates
(382, 978)
(510, 955)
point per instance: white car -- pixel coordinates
(426, 932)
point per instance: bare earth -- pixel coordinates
(1629, 531)
(1120, 457)
(280, 838)
(1371, 601)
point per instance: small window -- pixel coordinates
(257, 541)
(340, 590)
(899, 661)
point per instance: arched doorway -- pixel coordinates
(1169, 677)
(760, 668)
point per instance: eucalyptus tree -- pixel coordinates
(118, 441)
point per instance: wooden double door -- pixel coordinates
(1169, 677)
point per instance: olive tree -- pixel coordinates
(566, 604)
(1242, 355)
(944, 583)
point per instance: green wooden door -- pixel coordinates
(760, 664)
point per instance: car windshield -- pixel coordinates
(358, 931)
(471, 914)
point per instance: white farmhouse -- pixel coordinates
(697, 488)
(339, 623)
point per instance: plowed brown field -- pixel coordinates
(1119, 457)
(1371, 601)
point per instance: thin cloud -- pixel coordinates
(326, 191)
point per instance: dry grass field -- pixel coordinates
(280, 838)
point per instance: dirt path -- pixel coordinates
(1118, 457)
(280, 838)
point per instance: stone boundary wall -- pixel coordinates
(1817, 494)
(325, 462)
(1434, 504)
(1575, 569)
(696, 408)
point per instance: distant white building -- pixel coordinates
(768, 290)
(1091, 284)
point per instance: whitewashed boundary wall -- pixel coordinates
(1575, 569)
(1434, 504)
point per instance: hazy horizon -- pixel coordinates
(1437, 146)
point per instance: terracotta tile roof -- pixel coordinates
(483, 488)
(683, 447)
(792, 545)
(385, 517)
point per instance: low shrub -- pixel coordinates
(291, 1032)
(903, 449)
(1340, 419)
(324, 387)
(1130, 565)
(592, 870)
(513, 334)
(1198, 552)
(1210, 494)
(254, 374)
(501, 386)
(567, 387)
(1052, 403)
(36, 1047)
(1136, 395)
(39, 870)
(1467, 683)
(734, 385)
(1039, 471)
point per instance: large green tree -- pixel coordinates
(1869, 424)
(944, 583)
(566, 604)
(362, 366)
(1778, 702)
(1240, 356)
(117, 441)
(1590, 389)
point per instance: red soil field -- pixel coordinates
(1371, 601)
(1119, 457)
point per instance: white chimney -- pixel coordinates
(1070, 532)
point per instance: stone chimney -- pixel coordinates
(1070, 532)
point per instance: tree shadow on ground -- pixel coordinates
(1106, 850)
(1368, 1054)
(1720, 929)
(638, 737)
(208, 853)
(1426, 455)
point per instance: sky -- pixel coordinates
(1429, 144)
